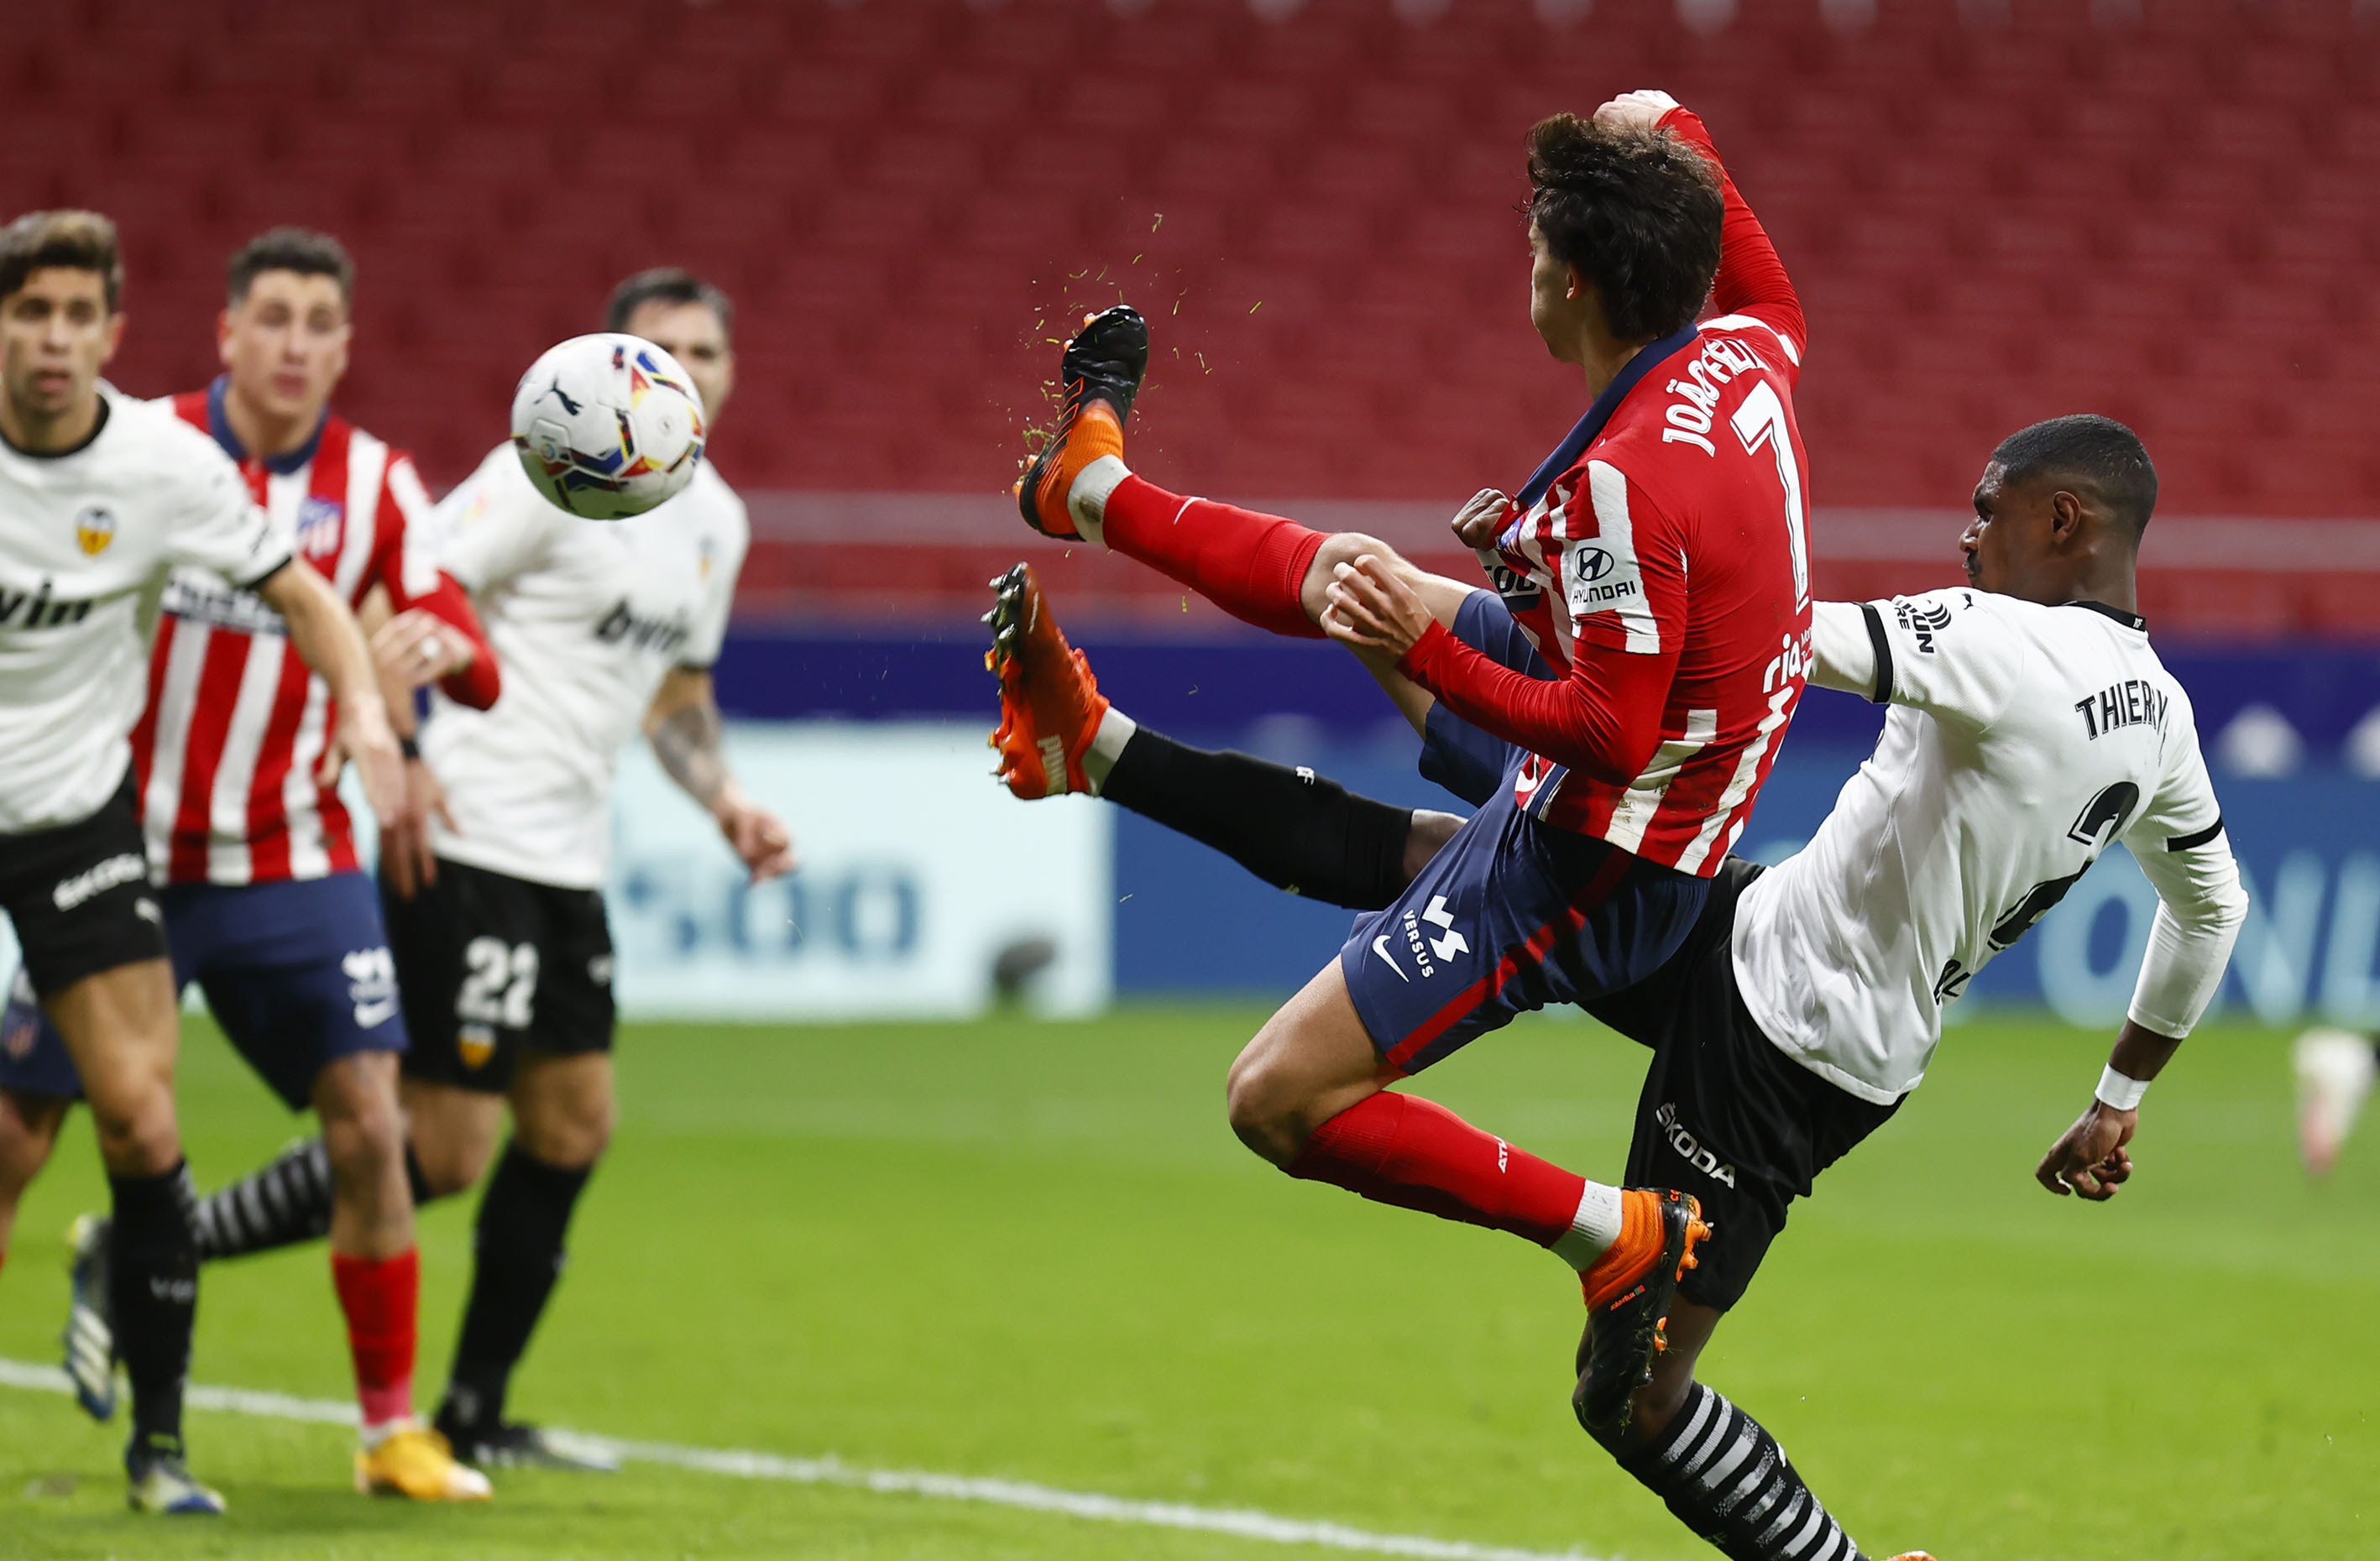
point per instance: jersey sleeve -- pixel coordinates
(221, 527)
(1751, 282)
(1948, 653)
(2179, 843)
(408, 568)
(493, 526)
(722, 563)
(1622, 567)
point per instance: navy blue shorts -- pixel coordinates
(297, 973)
(1511, 915)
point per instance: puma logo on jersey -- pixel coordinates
(2134, 702)
(665, 634)
(39, 610)
(1923, 622)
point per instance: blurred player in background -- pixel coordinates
(1657, 561)
(492, 883)
(1806, 1003)
(101, 499)
(2334, 1069)
(266, 907)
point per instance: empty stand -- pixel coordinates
(2171, 220)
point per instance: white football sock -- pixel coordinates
(1086, 502)
(1593, 1229)
(1107, 745)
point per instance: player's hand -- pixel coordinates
(2090, 1160)
(1367, 607)
(1480, 522)
(1635, 111)
(417, 647)
(364, 736)
(759, 837)
(405, 856)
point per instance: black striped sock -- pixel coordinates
(1728, 1481)
(286, 1201)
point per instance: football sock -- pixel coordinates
(1397, 1148)
(283, 1203)
(1108, 745)
(517, 1256)
(1251, 565)
(381, 1297)
(1292, 827)
(286, 1201)
(153, 1291)
(1728, 1480)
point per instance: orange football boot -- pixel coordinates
(1628, 1292)
(1050, 704)
(1099, 377)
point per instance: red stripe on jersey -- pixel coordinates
(268, 819)
(219, 679)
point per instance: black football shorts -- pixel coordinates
(1725, 1115)
(79, 895)
(488, 964)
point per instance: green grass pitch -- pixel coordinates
(1034, 1252)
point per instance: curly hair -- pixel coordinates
(1636, 211)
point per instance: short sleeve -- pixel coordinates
(1950, 653)
(222, 528)
(2184, 815)
(493, 526)
(1623, 571)
(723, 560)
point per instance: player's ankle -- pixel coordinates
(1115, 730)
(1595, 1229)
(1086, 498)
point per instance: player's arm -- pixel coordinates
(684, 727)
(1604, 718)
(1752, 280)
(1945, 652)
(2180, 845)
(432, 634)
(327, 639)
(407, 861)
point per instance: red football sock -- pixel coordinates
(380, 1296)
(1401, 1149)
(1251, 565)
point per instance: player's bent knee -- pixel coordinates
(137, 1133)
(1265, 1107)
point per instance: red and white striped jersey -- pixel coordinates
(1679, 533)
(1659, 561)
(237, 723)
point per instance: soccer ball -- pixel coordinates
(608, 425)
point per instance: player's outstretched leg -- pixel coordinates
(2335, 1070)
(1253, 567)
(284, 1202)
(1294, 828)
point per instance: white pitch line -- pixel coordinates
(746, 1464)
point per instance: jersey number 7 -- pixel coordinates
(1760, 420)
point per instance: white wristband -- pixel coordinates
(2119, 1092)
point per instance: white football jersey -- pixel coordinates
(586, 617)
(87, 539)
(2023, 740)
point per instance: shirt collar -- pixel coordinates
(219, 425)
(2130, 620)
(1574, 443)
